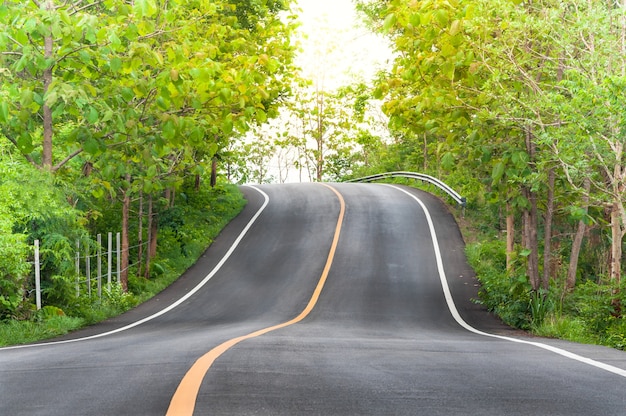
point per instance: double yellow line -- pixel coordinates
(184, 400)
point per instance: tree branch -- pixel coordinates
(67, 159)
(27, 157)
(14, 41)
(80, 9)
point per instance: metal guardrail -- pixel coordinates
(419, 176)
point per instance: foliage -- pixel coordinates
(32, 207)
(128, 99)
(104, 105)
(508, 297)
(322, 135)
(201, 216)
(518, 105)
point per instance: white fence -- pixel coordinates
(85, 258)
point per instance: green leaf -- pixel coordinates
(520, 159)
(51, 98)
(93, 115)
(448, 69)
(115, 65)
(98, 192)
(108, 116)
(128, 94)
(196, 135)
(448, 161)
(169, 130)
(497, 173)
(455, 27)
(38, 98)
(416, 19)
(390, 20)
(261, 116)
(227, 126)
(441, 16)
(25, 143)
(4, 112)
(225, 94)
(91, 146)
(162, 103)
(144, 8)
(59, 109)
(212, 149)
(148, 186)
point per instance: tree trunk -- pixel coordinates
(154, 232)
(125, 217)
(149, 251)
(214, 172)
(425, 153)
(570, 281)
(547, 242)
(617, 225)
(510, 236)
(530, 222)
(140, 236)
(616, 244)
(47, 111)
(530, 240)
(320, 136)
(168, 194)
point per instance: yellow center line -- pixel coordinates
(184, 400)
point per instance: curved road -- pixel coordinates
(348, 299)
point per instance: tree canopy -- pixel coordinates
(122, 102)
(519, 105)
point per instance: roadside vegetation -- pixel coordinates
(185, 231)
(589, 314)
(518, 105)
(116, 115)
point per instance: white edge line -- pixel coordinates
(173, 305)
(457, 317)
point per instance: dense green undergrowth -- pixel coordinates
(589, 314)
(185, 232)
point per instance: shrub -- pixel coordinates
(507, 296)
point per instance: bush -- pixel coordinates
(592, 303)
(507, 296)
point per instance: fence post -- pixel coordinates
(37, 276)
(110, 260)
(99, 265)
(88, 268)
(119, 260)
(77, 267)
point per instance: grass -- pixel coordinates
(564, 327)
(23, 332)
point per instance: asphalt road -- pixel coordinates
(317, 300)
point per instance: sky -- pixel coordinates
(337, 50)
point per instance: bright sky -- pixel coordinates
(339, 48)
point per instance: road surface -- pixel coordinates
(343, 299)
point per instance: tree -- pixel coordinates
(147, 92)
